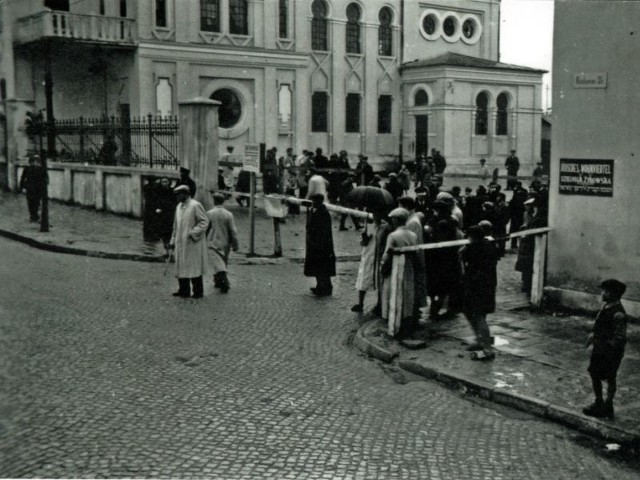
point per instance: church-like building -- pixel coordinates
(384, 78)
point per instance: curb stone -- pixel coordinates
(534, 406)
(141, 257)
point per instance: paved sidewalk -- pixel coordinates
(540, 366)
(75, 229)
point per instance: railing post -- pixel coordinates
(539, 257)
(395, 296)
(149, 118)
(82, 138)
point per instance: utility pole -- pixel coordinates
(51, 136)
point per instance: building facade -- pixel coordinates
(594, 170)
(385, 78)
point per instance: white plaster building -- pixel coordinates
(594, 169)
(379, 77)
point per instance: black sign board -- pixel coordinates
(580, 176)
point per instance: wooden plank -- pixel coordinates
(537, 283)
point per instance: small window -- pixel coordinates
(385, 32)
(238, 17)
(61, 5)
(449, 26)
(482, 114)
(161, 13)
(352, 124)
(353, 28)
(384, 113)
(319, 112)
(123, 8)
(421, 99)
(164, 97)
(101, 7)
(502, 117)
(210, 15)
(3, 89)
(319, 26)
(469, 28)
(284, 19)
(429, 24)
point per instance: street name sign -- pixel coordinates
(251, 159)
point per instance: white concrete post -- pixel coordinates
(539, 257)
(199, 144)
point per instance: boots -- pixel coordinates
(596, 409)
(607, 410)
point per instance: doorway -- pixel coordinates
(422, 134)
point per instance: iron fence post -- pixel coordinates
(149, 118)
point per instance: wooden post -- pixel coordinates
(199, 145)
(277, 247)
(537, 282)
(252, 215)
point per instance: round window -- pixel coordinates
(429, 24)
(449, 26)
(469, 28)
(230, 111)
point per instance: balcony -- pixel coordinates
(75, 27)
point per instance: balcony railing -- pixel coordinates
(91, 28)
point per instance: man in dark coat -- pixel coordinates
(439, 162)
(185, 179)
(479, 281)
(394, 187)
(164, 210)
(516, 211)
(34, 181)
(364, 171)
(608, 339)
(320, 258)
(320, 161)
(512, 164)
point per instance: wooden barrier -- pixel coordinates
(398, 259)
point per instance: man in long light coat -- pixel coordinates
(222, 236)
(188, 239)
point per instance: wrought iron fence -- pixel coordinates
(138, 142)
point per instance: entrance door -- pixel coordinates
(422, 134)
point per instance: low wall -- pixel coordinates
(113, 189)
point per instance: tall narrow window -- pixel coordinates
(283, 32)
(353, 28)
(161, 13)
(164, 97)
(62, 5)
(210, 15)
(101, 7)
(352, 123)
(284, 105)
(482, 114)
(502, 119)
(319, 111)
(319, 26)
(238, 17)
(385, 32)
(384, 114)
(123, 8)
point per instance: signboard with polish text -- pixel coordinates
(588, 177)
(251, 159)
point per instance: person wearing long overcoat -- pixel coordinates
(222, 236)
(188, 240)
(479, 281)
(320, 258)
(34, 180)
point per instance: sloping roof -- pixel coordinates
(451, 59)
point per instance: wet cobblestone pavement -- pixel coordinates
(104, 374)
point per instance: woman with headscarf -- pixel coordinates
(398, 283)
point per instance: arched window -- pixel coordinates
(319, 111)
(352, 119)
(421, 99)
(385, 103)
(385, 32)
(284, 19)
(482, 114)
(238, 17)
(210, 15)
(353, 28)
(319, 26)
(502, 119)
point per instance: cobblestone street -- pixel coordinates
(105, 374)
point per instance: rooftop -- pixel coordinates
(457, 60)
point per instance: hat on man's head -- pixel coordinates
(476, 232)
(182, 188)
(218, 197)
(407, 202)
(440, 205)
(420, 190)
(614, 287)
(317, 196)
(363, 157)
(400, 213)
(184, 170)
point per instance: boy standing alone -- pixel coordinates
(608, 339)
